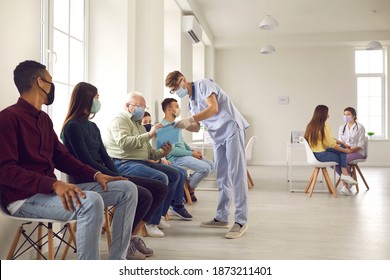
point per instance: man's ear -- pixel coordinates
(39, 81)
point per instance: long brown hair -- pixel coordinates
(80, 102)
(315, 130)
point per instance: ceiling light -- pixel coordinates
(267, 49)
(373, 45)
(268, 23)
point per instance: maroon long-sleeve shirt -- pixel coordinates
(29, 152)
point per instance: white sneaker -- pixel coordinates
(346, 191)
(153, 231)
(348, 179)
(163, 224)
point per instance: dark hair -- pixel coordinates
(26, 73)
(315, 130)
(352, 111)
(80, 102)
(172, 78)
(166, 102)
(146, 114)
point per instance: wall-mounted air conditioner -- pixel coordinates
(191, 26)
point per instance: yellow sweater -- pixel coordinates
(328, 141)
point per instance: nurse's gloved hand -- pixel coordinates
(184, 123)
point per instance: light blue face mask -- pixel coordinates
(138, 113)
(95, 106)
(181, 92)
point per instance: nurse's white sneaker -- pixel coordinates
(236, 231)
(214, 223)
(348, 179)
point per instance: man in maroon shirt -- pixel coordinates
(30, 150)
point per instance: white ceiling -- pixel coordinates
(229, 22)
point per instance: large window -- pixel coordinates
(371, 91)
(64, 50)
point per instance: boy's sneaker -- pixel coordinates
(181, 212)
(141, 246)
(214, 223)
(133, 253)
(153, 231)
(236, 231)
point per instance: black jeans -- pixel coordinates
(151, 194)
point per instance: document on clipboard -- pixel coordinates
(167, 133)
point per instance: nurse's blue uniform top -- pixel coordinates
(223, 124)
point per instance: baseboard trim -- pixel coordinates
(276, 163)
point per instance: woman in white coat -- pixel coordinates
(352, 136)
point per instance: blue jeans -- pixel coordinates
(333, 155)
(122, 194)
(161, 172)
(201, 167)
(177, 199)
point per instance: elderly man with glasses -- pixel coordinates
(128, 143)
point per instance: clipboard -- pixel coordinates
(167, 133)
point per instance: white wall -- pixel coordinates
(148, 63)
(126, 53)
(308, 76)
(20, 40)
(108, 53)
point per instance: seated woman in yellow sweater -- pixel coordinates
(324, 146)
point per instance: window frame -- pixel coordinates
(48, 55)
(384, 99)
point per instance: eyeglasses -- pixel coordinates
(172, 91)
(139, 106)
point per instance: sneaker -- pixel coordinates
(153, 231)
(133, 253)
(236, 231)
(214, 223)
(193, 197)
(348, 179)
(141, 246)
(346, 191)
(163, 224)
(182, 213)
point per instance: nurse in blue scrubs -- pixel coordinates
(210, 106)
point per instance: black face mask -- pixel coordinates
(50, 94)
(148, 127)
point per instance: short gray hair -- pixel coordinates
(132, 95)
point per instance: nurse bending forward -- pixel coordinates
(210, 106)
